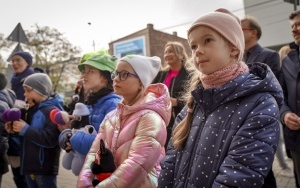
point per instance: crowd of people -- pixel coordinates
(214, 118)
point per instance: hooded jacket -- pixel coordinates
(136, 136)
(233, 136)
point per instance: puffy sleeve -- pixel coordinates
(251, 152)
(144, 153)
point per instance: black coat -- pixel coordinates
(290, 82)
(265, 55)
(176, 90)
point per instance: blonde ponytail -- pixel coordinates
(183, 128)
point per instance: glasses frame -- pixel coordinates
(87, 72)
(124, 72)
(295, 25)
(247, 29)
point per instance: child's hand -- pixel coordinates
(18, 125)
(62, 127)
(68, 146)
(8, 127)
(64, 140)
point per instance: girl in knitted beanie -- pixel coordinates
(227, 134)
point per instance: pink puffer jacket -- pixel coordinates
(136, 135)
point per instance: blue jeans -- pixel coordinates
(41, 181)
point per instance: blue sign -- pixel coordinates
(132, 46)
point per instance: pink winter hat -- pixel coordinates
(226, 24)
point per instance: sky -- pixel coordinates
(83, 22)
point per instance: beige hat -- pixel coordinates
(225, 23)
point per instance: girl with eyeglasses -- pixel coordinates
(135, 132)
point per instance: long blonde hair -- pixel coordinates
(182, 130)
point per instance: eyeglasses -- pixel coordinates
(295, 25)
(247, 29)
(88, 71)
(122, 75)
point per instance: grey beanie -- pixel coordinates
(39, 82)
(145, 67)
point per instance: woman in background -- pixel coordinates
(21, 63)
(175, 76)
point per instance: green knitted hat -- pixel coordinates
(102, 62)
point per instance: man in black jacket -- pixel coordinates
(255, 53)
(290, 82)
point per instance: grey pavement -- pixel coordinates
(67, 180)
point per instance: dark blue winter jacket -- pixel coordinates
(233, 136)
(39, 139)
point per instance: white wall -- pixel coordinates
(273, 16)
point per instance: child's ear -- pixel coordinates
(234, 52)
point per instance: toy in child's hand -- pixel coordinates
(81, 114)
(10, 115)
(52, 113)
(77, 97)
(64, 138)
(59, 117)
(104, 164)
(80, 123)
(13, 114)
(4, 116)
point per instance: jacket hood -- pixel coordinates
(8, 96)
(55, 100)
(156, 98)
(259, 79)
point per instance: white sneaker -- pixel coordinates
(286, 172)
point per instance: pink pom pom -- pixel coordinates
(52, 113)
(61, 118)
